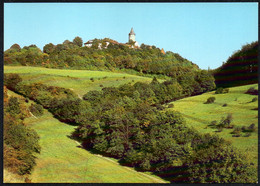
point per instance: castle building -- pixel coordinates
(131, 35)
(131, 38)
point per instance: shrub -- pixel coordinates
(236, 131)
(171, 105)
(225, 122)
(220, 128)
(222, 91)
(236, 135)
(219, 91)
(213, 123)
(36, 109)
(252, 128)
(247, 134)
(105, 77)
(254, 99)
(244, 128)
(225, 90)
(230, 127)
(92, 79)
(12, 80)
(210, 100)
(101, 85)
(224, 105)
(159, 106)
(124, 77)
(252, 91)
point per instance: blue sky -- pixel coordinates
(205, 33)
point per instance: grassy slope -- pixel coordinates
(61, 159)
(9, 177)
(77, 80)
(199, 115)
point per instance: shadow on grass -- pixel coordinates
(196, 119)
(175, 175)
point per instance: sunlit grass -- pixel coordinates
(77, 80)
(200, 115)
(62, 160)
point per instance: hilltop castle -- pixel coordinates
(132, 38)
(131, 42)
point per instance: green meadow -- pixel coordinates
(239, 104)
(63, 161)
(77, 80)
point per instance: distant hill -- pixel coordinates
(240, 68)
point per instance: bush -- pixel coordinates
(214, 122)
(224, 105)
(219, 91)
(101, 85)
(225, 90)
(220, 128)
(36, 109)
(254, 99)
(252, 91)
(225, 122)
(244, 128)
(92, 79)
(171, 105)
(247, 134)
(210, 100)
(252, 128)
(222, 91)
(236, 131)
(12, 80)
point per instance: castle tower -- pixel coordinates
(131, 35)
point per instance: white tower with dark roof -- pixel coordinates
(132, 35)
(132, 38)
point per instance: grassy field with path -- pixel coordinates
(62, 160)
(239, 104)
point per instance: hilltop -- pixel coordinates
(144, 60)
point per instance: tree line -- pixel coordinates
(144, 60)
(125, 123)
(240, 68)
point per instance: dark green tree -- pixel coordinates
(78, 41)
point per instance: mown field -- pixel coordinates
(200, 115)
(77, 80)
(63, 161)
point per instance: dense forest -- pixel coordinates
(144, 60)
(240, 68)
(126, 123)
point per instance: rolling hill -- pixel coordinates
(239, 104)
